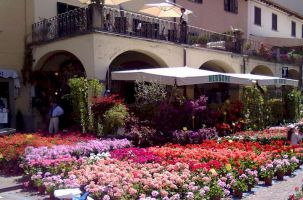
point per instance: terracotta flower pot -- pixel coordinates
(288, 172)
(52, 196)
(238, 194)
(280, 175)
(249, 187)
(41, 190)
(215, 198)
(268, 180)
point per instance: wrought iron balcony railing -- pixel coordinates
(79, 21)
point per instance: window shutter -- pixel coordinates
(226, 5)
(236, 6)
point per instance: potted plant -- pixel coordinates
(267, 173)
(252, 179)
(239, 187)
(215, 192)
(280, 168)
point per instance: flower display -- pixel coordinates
(49, 156)
(12, 147)
(114, 169)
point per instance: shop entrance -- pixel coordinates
(5, 119)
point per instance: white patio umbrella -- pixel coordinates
(107, 2)
(165, 9)
(267, 80)
(178, 76)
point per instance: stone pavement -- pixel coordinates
(11, 189)
(280, 190)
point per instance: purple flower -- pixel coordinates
(155, 193)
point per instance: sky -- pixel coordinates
(295, 5)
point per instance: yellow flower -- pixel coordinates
(213, 172)
(228, 167)
(292, 151)
(184, 128)
(230, 141)
(29, 136)
(1, 156)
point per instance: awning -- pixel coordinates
(190, 76)
(9, 73)
(178, 76)
(267, 80)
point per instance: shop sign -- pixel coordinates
(218, 78)
(284, 72)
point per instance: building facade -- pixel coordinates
(59, 39)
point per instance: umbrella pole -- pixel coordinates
(172, 91)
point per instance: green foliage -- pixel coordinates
(240, 185)
(149, 93)
(256, 111)
(82, 90)
(293, 106)
(276, 111)
(114, 118)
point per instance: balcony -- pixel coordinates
(266, 52)
(124, 23)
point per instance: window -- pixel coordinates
(258, 16)
(231, 6)
(63, 8)
(274, 22)
(293, 28)
(196, 1)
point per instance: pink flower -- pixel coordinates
(164, 193)
(132, 191)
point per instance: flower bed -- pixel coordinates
(264, 136)
(12, 147)
(210, 170)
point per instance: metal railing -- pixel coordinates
(63, 25)
(271, 53)
(123, 22)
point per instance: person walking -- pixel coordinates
(183, 26)
(55, 112)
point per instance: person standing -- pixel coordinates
(183, 26)
(293, 135)
(55, 112)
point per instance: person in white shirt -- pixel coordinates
(183, 26)
(55, 112)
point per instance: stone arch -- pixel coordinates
(50, 80)
(144, 59)
(293, 74)
(262, 70)
(218, 66)
(217, 92)
(129, 60)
